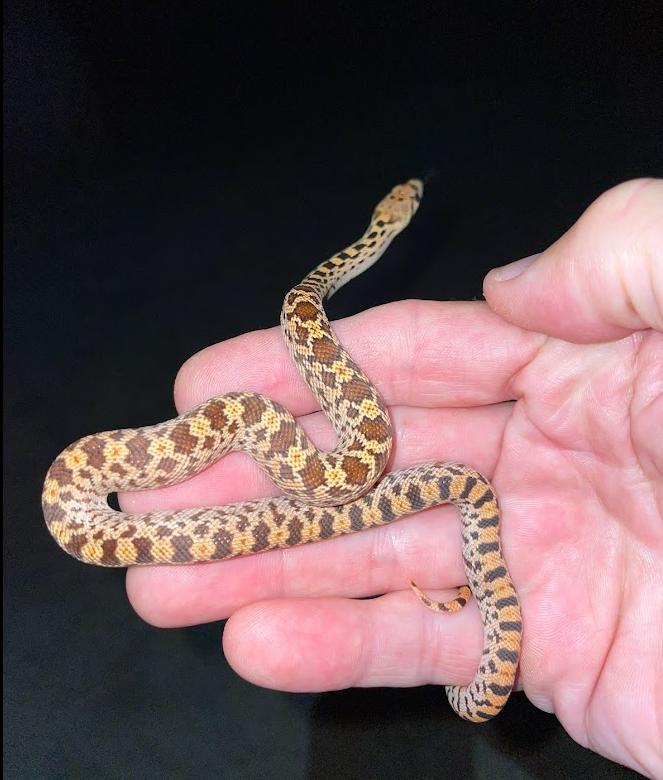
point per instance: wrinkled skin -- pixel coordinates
(554, 389)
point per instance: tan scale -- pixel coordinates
(326, 494)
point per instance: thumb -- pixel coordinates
(602, 280)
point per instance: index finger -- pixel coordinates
(418, 353)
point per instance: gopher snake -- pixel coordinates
(326, 493)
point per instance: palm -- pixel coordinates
(578, 479)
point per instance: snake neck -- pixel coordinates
(328, 277)
(348, 398)
(390, 217)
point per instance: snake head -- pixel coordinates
(392, 214)
(400, 205)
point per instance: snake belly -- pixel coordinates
(325, 494)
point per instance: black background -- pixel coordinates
(171, 169)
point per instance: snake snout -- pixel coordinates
(417, 185)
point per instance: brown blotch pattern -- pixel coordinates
(355, 471)
(313, 473)
(326, 351)
(375, 430)
(138, 446)
(357, 391)
(253, 410)
(185, 442)
(306, 311)
(216, 415)
(94, 449)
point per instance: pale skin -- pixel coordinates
(553, 389)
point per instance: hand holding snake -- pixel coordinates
(581, 538)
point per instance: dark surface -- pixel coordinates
(170, 172)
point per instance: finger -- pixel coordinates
(600, 281)
(418, 353)
(426, 547)
(328, 644)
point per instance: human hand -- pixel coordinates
(556, 395)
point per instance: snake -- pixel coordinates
(324, 494)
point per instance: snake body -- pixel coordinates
(326, 494)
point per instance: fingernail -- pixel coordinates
(512, 270)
